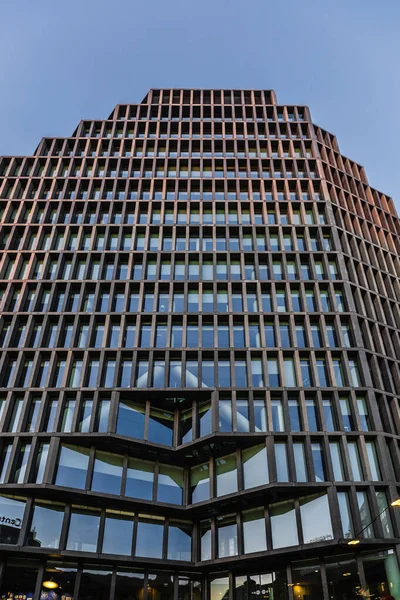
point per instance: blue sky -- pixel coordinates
(64, 60)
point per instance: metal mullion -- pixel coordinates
(100, 538)
(90, 468)
(298, 522)
(39, 580)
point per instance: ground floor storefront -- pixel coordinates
(373, 575)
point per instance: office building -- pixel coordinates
(199, 364)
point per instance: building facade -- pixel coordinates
(199, 359)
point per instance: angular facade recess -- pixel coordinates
(199, 360)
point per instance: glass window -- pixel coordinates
(255, 467)
(260, 415)
(170, 484)
(68, 415)
(176, 337)
(223, 337)
(340, 587)
(294, 414)
(322, 373)
(205, 540)
(315, 518)
(281, 301)
(149, 542)
(226, 475)
(254, 538)
(329, 415)
(179, 541)
(382, 574)
(283, 524)
(355, 461)
(219, 587)
(15, 415)
(103, 415)
(85, 416)
(345, 515)
(332, 336)
(21, 464)
(139, 479)
(107, 473)
(129, 585)
(207, 373)
(347, 415)
(240, 373)
(158, 375)
(161, 426)
(242, 415)
(40, 464)
(200, 483)
(354, 373)
(319, 463)
(364, 414)
(337, 463)
(273, 373)
(278, 423)
(66, 577)
(227, 536)
(300, 461)
(45, 528)
(311, 415)
(269, 331)
(205, 418)
(161, 586)
(282, 471)
(257, 377)
(83, 530)
(373, 461)
(225, 415)
(130, 420)
(72, 467)
(384, 512)
(118, 533)
(365, 515)
(12, 514)
(338, 372)
(142, 373)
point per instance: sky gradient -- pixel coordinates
(63, 61)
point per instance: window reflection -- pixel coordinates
(130, 420)
(129, 585)
(227, 536)
(139, 479)
(307, 580)
(255, 466)
(149, 541)
(72, 467)
(11, 526)
(107, 473)
(315, 518)
(83, 530)
(118, 532)
(283, 524)
(254, 537)
(179, 541)
(160, 586)
(170, 484)
(161, 426)
(226, 475)
(45, 528)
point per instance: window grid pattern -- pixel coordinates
(201, 280)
